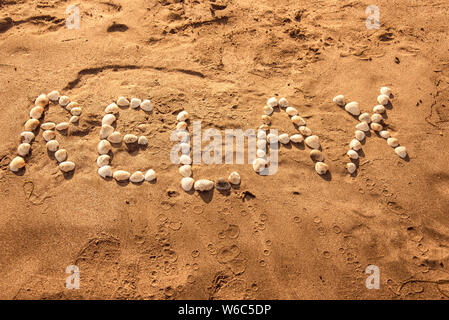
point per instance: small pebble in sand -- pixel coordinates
(313, 142)
(203, 185)
(52, 145)
(260, 153)
(321, 168)
(103, 160)
(353, 108)
(130, 138)
(268, 110)
(150, 175)
(121, 175)
(143, 141)
(351, 167)
(67, 166)
(16, 164)
(355, 145)
(108, 119)
(376, 118)
(74, 119)
(339, 100)
(266, 119)
(386, 91)
(384, 134)
(297, 138)
(359, 135)
(291, 111)
(376, 126)
(62, 126)
(222, 184)
(401, 151)
(316, 155)
(182, 116)
(61, 155)
(23, 149)
(42, 100)
(53, 96)
(105, 131)
(122, 102)
(48, 135)
(353, 154)
(105, 171)
(185, 170)
(26, 137)
(64, 101)
(146, 106)
(115, 137)
(259, 164)
(48, 126)
(272, 102)
(135, 103)
(393, 142)
(365, 117)
(104, 146)
(137, 177)
(71, 106)
(36, 112)
(185, 159)
(234, 178)
(298, 120)
(187, 183)
(112, 108)
(284, 138)
(305, 131)
(379, 109)
(283, 103)
(383, 99)
(31, 124)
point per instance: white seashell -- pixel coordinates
(52, 145)
(353, 108)
(185, 170)
(313, 142)
(298, 120)
(321, 168)
(261, 144)
(351, 167)
(339, 100)
(363, 126)
(234, 178)
(365, 117)
(291, 111)
(386, 91)
(272, 138)
(143, 141)
(150, 175)
(103, 147)
(316, 155)
(259, 164)
(272, 102)
(187, 183)
(260, 153)
(71, 105)
(36, 112)
(384, 134)
(121, 175)
(112, 108)
(376, 118)
(146, 105)
(183, 136)
(103, 160)
(305, 131)
(268, 110)
(31, 124)
(108, 119)
(53, 96)
(48, 126)
(48, 135)
(353, 154)
(283, 102)
(135, 103)
(182, 116)
(137, 177)
(383, 99)
(115, 137)
(106, 131)
(261, 134)
(401, 151)
(297, 138)
(263, 127)
(185, 159)
(64, 101)
(74, 119)
(26, 136)
(393, 142)
(23, 149)
(122, 102)
(130, 138)
(181, 125)
(284, 138)
(266, 119)
(42, 100)
(67, 166)
(379, 109)
(203, 185)
(359, 135)
(16, 164)
(105, 172)
(61, 155)
(376, 126)
(355, 145)
(62, 126)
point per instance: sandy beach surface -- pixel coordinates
(292, 235)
